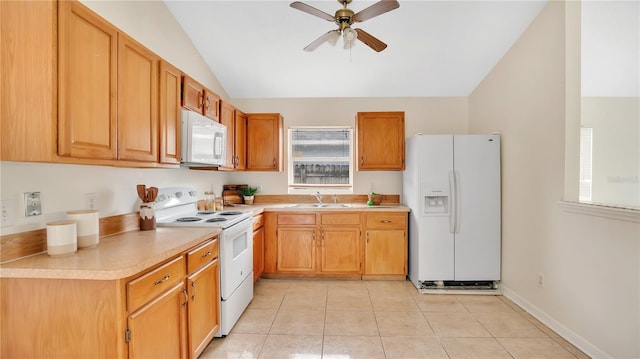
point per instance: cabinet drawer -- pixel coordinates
(340, 218)
(197, 257)
(386, 220)
(308, 218)
(258, 221)
(154, 283)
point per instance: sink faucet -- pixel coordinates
(318, 197)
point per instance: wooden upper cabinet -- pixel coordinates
(236, 122)
(264, 142)
(198, 98)
(211, 105)
(137, 101)
(28, 79)
(192, 93)
(170, 78)
(87, 112)
(380, 141)
(240, 142)
(227, 118)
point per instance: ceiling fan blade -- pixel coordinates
(370, 40)
(312, 10)
(322, 39)
(376, 9)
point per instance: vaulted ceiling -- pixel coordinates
(435, 48)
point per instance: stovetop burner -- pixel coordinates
(206, 212)
(188, 219)
(230, 213)
(216, 220)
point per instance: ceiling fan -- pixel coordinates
(344, 18)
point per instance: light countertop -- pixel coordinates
(330, 207)
(115, 257)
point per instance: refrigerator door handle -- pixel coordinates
(453, 210)
(456, 190)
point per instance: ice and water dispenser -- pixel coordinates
(436, 200)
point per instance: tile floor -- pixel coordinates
(305, 319)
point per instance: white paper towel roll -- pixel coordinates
(61, 238)
(88, 227)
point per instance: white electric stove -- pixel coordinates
(178, 207)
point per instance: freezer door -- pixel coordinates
(436, 236)
(477, 222)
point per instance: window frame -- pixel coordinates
(293, 188)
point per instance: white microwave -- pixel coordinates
(203, 141)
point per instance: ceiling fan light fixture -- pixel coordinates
(349, 35)
(333, 38)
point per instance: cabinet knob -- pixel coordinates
(204, 255)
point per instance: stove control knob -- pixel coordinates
(178, 194)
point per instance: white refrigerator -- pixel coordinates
(452, 186)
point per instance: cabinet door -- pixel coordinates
(203, 307)
(340, 249)
(158, 330)
(28, 112)
(137, 101)
(258, 253)
(192, 94)
(170, 78)
(240, 148)
(227, 118)
(211, 105)
(296, 249)
(264, 142)
(386, 252)
(87, 111)
(380, 140)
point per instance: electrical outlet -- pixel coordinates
(540, 280)
(90, 201)
(32, 204)
(6, 209)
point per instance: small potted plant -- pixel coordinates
(247, 193)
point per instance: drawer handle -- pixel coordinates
(206, 254)
(166, 278)
(385, 221)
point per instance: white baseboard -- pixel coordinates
(573, 338)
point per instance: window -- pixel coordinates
(320, 159)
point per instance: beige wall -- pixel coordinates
(591, 292)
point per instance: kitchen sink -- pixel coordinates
(320, 205)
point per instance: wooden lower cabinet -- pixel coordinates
(169, 311)
(296, 249)
(204, 307)
(386, 245)
(158, 329)
(258, 247)
(366, 245)
(301, 245)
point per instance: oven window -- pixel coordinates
(239, 244)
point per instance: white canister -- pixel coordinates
(88, 227)
(61, 238)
